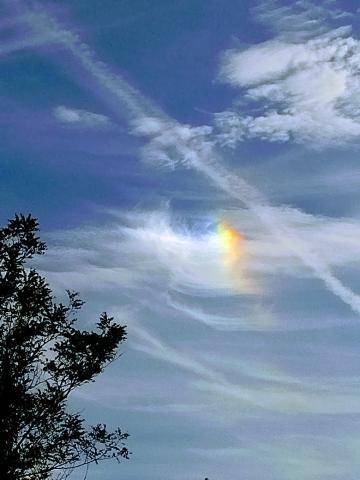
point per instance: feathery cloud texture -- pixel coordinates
(80, 117)
(305, 91)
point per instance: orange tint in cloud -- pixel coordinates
(233, 246)
(232, 242)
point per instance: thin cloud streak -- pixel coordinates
(46, 29)
(286, 395)
(237, 188)
(151, 345)
(79, 117)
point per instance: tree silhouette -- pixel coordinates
(43, 358)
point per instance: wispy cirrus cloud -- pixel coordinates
(301, 19)
(149, 256)
(295, 456)
(81, 118)
(145, 245)
(198, 152)
(274, 391)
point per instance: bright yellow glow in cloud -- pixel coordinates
(232, 242)
(233, 246)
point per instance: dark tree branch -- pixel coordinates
(43, 358)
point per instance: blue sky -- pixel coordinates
(194, 166)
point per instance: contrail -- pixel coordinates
(237, 188)
(137, 108)
(47, 29)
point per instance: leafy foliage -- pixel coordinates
(43, 358)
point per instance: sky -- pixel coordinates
(194, 168)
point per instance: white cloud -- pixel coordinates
(153, 346)
(307, 91)
(261, 63)
(288, 399)
(334, 241)
(198, 152)
(301, 19)
(293, 456)
(172, 143)
(253, 317)
(155, 246)
(44, 29)
(277, 392)
(80, 117)
(154, 261)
